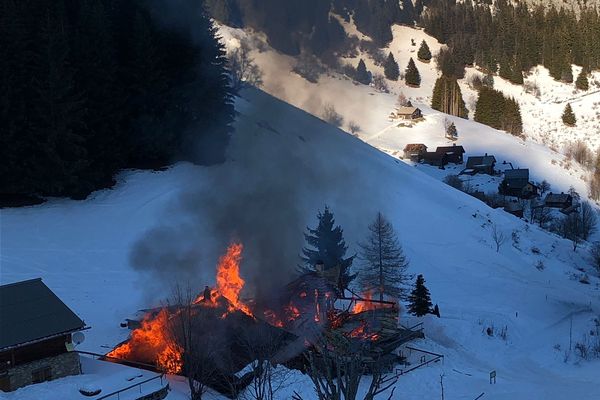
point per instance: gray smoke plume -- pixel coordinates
(264, 196)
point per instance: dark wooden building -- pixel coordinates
(35, 335)
(415, 151)
(555, 200)
(454, 153)
(435, 158)
(480, 165)
(516, 183)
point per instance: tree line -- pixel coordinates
(509, 38)
(90, 87)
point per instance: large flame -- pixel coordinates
(229, 281)
(152, 338)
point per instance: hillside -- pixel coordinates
(284, 165)
(545, 136)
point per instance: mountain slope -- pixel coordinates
(83, 251)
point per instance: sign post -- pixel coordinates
(493, 377)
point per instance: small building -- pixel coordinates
(35, 335)
(515, 208)
(555, 200)
(516, 183)
(480, 164)
(454, 153)
(415, 151)
(435, 158)
(408, 112)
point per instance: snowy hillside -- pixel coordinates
(82, 250)
(545, 134)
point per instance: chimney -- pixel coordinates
(485, 155)
(319, 266)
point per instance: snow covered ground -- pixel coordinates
(545, 134)
(82, 250)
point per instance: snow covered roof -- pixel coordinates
(558, 198)
(415, 147)
(406, 110)
(450, 149)
(31, 311)
(480, 161)
(510, 174)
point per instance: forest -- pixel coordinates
(89, 87)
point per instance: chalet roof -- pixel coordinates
(404, 110)
(450, 149)
(30, 311)
(558, 198)
(415, 147)
(433, 155)
(480, 161)
(518, 174)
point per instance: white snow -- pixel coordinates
(81, 249)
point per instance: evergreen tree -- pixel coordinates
(582, 82)
(362, 75)
(451, 130)
(497, 111)
(567, 75)
(424, 54)
(568, 116)
(390, 68)
(384, 265)
(447, 97)
(411, 74)
(326, 244)
(419, 299)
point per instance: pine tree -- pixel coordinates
(424, 54)
(326, 244)
(419, 299)
(451, 131)
(411, 74)
(390, 68)
(582, 82)
(447, 97)
(362, 75)
(568, 116)
(384, 265)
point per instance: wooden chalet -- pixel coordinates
(454, 153)
(516, 183)
(35, 335)
(435, 158)
(414, 151)
(555, 200)
(408, 112)
(480, 164)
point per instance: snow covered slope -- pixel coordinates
(82, 251)
(545, 134)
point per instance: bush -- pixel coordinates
(331, 116)
(454, 181)
(309, 67)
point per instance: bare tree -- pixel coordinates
(186, 328)
(579, 226)
(544, 187)
(588, 220)
(402, 101)
(331, 116)
(353, 127)
(267, 379)
(595, 256)
(337, 368)
(497, 236)
(243, 69)
(380, 84)
(454, 181)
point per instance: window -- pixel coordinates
(41, 375)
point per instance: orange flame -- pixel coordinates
(360, 306)
(153, 338)
(229, 281)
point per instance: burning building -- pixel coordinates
(214, 335)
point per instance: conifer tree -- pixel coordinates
(424, 54)
(383, 267)
(419, 299)
(447, 97)
(568, 116)
(362, 75)
(451, 131)
(411, 74)
(582, 82)
(390, 68)
(326, 244)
